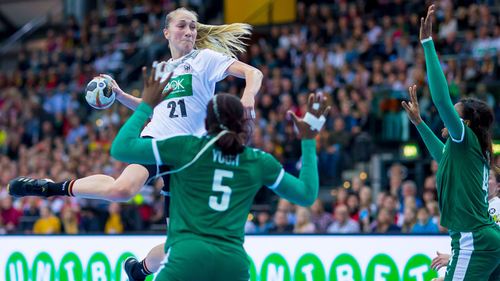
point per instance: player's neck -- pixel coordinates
(177, 54)
(493, 196)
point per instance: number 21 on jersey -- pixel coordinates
(217, 186)
(173, 105)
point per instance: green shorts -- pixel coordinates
(197, 260)
(475, 256)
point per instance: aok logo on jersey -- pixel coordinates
(182, 86)
(274, 268)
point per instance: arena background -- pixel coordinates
(362, 54)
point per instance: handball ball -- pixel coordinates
(99, 93)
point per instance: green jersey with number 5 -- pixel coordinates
(211, 199)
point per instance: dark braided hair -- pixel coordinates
(228, 114)
(481, 118)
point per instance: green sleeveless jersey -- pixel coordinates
(462, 184)
(211, 199)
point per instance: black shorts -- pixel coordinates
(154, 170)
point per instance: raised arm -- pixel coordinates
(303, 191)
(437, 81)
(433, 143)
(128, 146)
(253, 78)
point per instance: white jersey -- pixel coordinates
(183, 111)
(494, 209)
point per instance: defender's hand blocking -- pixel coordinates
(426, 25)
(316, 106)
(412, 108)
(153, 90)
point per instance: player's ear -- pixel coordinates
(467, 122)
(167, 35)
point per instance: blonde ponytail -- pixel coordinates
(226, 39)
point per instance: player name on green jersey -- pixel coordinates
(225, 159)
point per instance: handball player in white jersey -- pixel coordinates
(202, 55)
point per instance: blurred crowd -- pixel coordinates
(398, 210)
(363, 55)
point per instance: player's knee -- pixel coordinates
(121, 192)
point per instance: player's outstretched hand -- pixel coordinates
(153, 89)
(426, 25)
(440, 261)
(412, 108)
(316, 105)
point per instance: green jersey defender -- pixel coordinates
(212, 193)
(462, 177)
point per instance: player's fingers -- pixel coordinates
(327, 110)
(145, 76)
(415, 94)
(405, 106)
(153, 73)
(413, 97)
(166, 93)
(294, 117)
(164, 83)
(310, 102)
(429, 14)
(321, 107)
(319, 96)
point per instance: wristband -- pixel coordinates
(314, 122)
(425, 40)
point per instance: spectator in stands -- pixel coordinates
(384, 223)
(390, 203)
(409, 189)
(30, 215)
(281, 225)
(287, 207)
(424, 224)
(335, 145)
(449, 24)
(365, 199)
(319, 217)
(47, 223)
(353, 206)
(114, 224)
(342, 223)
(69, 221)
(264, 223)
(341, 199)
(410, 219)
(434, 213)
(10, 215)
(356, 184)
(303, 223)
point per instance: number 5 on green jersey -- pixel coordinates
(217, 186)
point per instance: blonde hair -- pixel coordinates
(226, 39)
